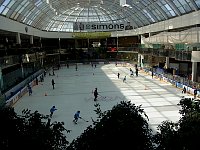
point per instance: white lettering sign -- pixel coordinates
(83, 26)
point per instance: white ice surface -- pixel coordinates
(73, 91)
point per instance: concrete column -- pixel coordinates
(76, 43)
(142, 61)
(174, 72)
(194, 71)
(22, 69)
(167, 62)
(139, 57)
(18, 39)
(59, 43)
(1, 79)
(40, 42)
(31, 39)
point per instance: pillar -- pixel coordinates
(174, 71)
(142, 61)
(167, 63)
(31, 39)
(40, 42)
(22, 70)
(76, 43)
(139, 65)
(18, 38)
(59, 43)
(1, 79)
(194, 71)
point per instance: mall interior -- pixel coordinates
(159, 36)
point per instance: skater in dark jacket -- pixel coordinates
(29, 90)
(124, 80)
(184, 90)
(95, 94)
(136, 71)
(53, 83)
(118, 75)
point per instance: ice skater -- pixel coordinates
(29, 90)
(95, 94)
(136, 71)
(53, 83)
(53, 108)
(124, 80)
(152, 72)
(76, 116)
(118, 75)
(131, 73)
(76, 67)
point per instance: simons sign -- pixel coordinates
(83, 26)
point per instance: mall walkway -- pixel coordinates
(73, 91)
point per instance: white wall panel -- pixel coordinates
(178, 22)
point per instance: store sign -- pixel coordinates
(92, 27)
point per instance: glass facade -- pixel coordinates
(59, 15)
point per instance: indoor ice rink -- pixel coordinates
(73, 91)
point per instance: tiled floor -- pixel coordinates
(73, 91)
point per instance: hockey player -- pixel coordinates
(76, 116)
(124, 80)
(118, 75)
(29, 90)
(53, 108)
(53, 83)
(95, 94)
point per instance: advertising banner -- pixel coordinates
(93, 27)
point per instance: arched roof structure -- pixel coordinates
(59, 15)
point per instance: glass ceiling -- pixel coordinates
(59, 15)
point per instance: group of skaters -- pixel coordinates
(41, 79)
(76, 115)
(131, 73)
